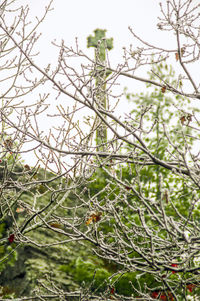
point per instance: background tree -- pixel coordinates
(131, 209)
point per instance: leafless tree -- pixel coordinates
(80, 102)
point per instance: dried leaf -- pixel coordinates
(176, 56)
(155, 295)
(190, 287)
(182, 51)
(162, 296)
(20, 210)
(8, 143)
(183, 119)
(88, 222)
(56, 225)
(174, 265)
(166, 196)
(42, 188)
(163, 89)
(11, 238)
(189, 118)
(94, 217)
(180, 83)
(27, 167)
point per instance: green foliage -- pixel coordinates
(167, 191)
(157, 183)
(88, 272)
(8, 255)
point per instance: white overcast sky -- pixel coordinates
(79, 18)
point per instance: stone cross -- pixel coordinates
(99, 40)
(100, 43)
